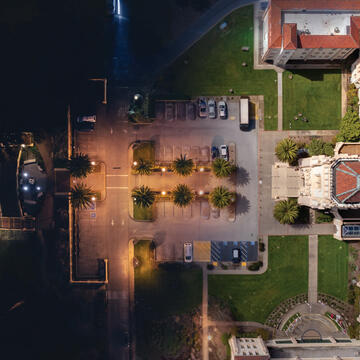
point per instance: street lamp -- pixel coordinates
(201, 192)
(93, 163)
(26, 174)
(38, 188)
(163, 169)
(201, 169)
(163, 193)
(93, 198)
(25, 188)
(23, 145)
(135, 163)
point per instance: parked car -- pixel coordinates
(214, 152)
(202, 108)
(235, 256)
(86, 123)
(188, 257)
(212, 109)
(224, 152)
(223, 110)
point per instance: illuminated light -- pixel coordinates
(163, 193)
(23, 145)
(163, 169)
(38, 188)
(26, 174)
(136, 97)
(118, 9)
(202, 169)
(201, 192)
(25, 188)
(93, 163)
(135, 163)
(209, 337)
(93, 198)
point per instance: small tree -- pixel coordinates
(183, 166)
(182, 195)
(349, 127)
(143, 167)
(81, 196)
(143, 196)
(286, 150)
(221, 197)
(286, 211)
(80, 166)
(222, 168)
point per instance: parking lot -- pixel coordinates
(177, 130)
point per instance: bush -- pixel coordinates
(321, 217)
(225, 338)
(210, 266)
(255, 266)
(319, 147)
(261, 246)
(264, 334)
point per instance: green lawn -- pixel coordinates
(214, 66)
(141, 213)
(144, 151)
(316, 94)
(161, 292)
(333, 267)
(253, 297)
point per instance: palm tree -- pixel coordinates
(143, 167)
(80, 166)
(182, 195)
(81, 196)
(143, 196)
(222, 168)
(286, 211)
(221, 197)
(183, 166)
(286, 150)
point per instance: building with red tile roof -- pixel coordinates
(306, 31)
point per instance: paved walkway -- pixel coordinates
(205, 326)
(280, 100)
(313, 269)
(239, 323)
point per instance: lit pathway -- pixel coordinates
(205, 345)
(313, 269)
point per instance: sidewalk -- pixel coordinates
(313, 269)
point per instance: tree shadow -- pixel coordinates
(242, 205)
(243, 177)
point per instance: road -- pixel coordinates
(105, 235)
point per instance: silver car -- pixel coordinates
(212, 109)
(222, 110)
(188, 252)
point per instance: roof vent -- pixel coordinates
(307, 31)
(337, 30)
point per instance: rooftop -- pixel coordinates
(346, 181)
(318, 23)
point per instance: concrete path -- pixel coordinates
(280, 100)
(239, 323)
(313, 269)
(204, 308)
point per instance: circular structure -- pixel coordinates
(311, 334)
(346, 181)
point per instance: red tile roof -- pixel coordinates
(346, 189)
(312, 41)
(327, 42)
(290, 36)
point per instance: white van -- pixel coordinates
(244, 114)
(188, 256)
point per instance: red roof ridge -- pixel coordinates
(289, 36)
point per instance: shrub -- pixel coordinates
(321, 217)
(286, 211)
(286, 150)
(261, 246)
(210, 266)
(255, 266)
